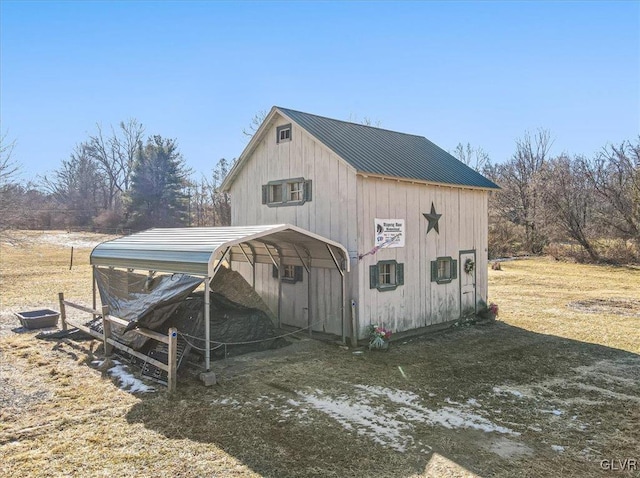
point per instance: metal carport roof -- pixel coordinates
(196, 250)
(200, 250)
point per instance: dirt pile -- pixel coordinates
(232, 285)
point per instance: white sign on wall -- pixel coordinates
(389, 232)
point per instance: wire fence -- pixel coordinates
(219, 344)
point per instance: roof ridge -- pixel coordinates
(350, 122)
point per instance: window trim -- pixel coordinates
(397, 274)
(299, 191)
(435, 270)
(285, 184)
(279, 129)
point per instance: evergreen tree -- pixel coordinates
(156, 197)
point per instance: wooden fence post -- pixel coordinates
(106, 331)
(172, 362)
(63, 312)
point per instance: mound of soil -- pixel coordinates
(630, 307)
(232, 285)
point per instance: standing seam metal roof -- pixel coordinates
(389, 153)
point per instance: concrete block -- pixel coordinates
(209, 378)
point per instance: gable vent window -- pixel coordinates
(386, 275)
(444, 270)
(283, 133)
(286, 192)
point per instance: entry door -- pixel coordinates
(467, 283)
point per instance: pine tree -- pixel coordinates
(156, 197)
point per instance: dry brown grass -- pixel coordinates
(61, 416)
(535, 294)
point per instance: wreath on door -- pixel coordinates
(469, 265)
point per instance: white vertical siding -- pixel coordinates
(463, 226)
(343, 208)
(330, 213)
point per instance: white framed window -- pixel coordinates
(286, 192)
(291, 274)
(296, 191)
(444, 270)
(386, 275)
(283, 133)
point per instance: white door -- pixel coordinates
(467, 276)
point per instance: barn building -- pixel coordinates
(413, 219)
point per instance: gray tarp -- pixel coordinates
(140, 300)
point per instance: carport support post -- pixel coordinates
(106, 331)
(172, 349)
(343, 293)
(93, 275)
(342, 298)
(280, 292)
(207, 326)
(63, 312)
(309, 309)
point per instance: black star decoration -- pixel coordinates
(433, 219)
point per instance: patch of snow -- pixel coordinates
(396, 396)
(557, 448)
(364, 419)
(77, 240)
(127, 381)
(473, 402)
(388, 416)
(504, 390)
(450, 417)
(225, 401)
(506, 448)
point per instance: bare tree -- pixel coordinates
(10, 190)
(78, 188)
(569, 197)
(615, 176)
(256, 121)
(520, 178)
(475, 158)
(366, 121)
(115, 155)
(8, 168)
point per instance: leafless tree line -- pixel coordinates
(105, 179)
(589, 207)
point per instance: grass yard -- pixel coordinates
(551, 389)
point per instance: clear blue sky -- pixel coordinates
(478, 72)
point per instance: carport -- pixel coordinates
(201, 251)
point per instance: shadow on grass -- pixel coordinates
(252, 416)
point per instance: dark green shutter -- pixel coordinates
(399, 274)
(454, 269)
(434, 271)
(274, 271)
(297, 273)
(265, 194)
(373, 277)
(307, 190)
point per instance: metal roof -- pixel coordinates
(388, 153)
(196, 250)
